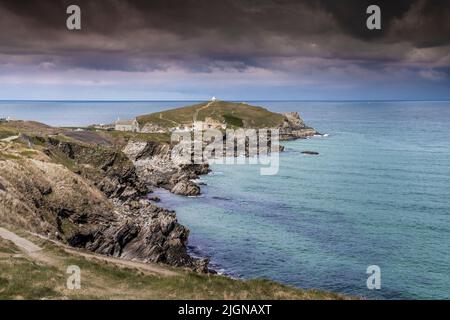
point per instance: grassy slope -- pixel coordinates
(113, 139)
(22, 278)
(234, 114)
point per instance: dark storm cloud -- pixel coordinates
(203, 35)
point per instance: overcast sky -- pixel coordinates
(250, 50)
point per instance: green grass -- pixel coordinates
(233, 114)
(168, 118)
(29, 153)
(8, 156)
(7, 133)
(60, 158)
(22, 278)
(156, 137)
(233, 121)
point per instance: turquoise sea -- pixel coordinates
(378, 194)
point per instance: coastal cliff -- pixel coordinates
(89, 197)
(224, 115)
(293, 127)
(90, 189)
(156, 167)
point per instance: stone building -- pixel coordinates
(127, 125)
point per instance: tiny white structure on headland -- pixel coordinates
(213, 99)
(127, 125)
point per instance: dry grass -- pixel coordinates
(23, 278)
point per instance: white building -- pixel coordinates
(127, 125)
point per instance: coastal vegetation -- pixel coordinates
(87, 189)
(21, 277)
(231, 113)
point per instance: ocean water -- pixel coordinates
(378, 194)
(83, 113)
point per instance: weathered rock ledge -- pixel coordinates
(294, 127)
(81, 189)
(89, 197)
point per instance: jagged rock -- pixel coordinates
(293, 127)
(99, 210)
(47, 190)
(155, 199)
(311, 153)
(186, 188)
(201, 266)
(153, 128)
(155, 166)
(89, 195)
(293, 121)
(23, 138)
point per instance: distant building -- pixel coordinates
(127, 125)
(213, 99)
(103, 126)
(7, 119)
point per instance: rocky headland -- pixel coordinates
(89, 189)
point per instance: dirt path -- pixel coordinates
(149, 268)
(10, 139)
(174, 122)
(206, 106)
(29, 248)
(37, 253)
(145, 267)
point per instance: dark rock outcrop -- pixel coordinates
(154, 165)
(293, 127)
(186, 188)
(311, 153)
(109, 169)
(91, 197)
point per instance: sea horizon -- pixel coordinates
(224, 150)
(363, 183)
(236, 100)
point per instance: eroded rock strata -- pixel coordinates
(89, 197)
(90, 190)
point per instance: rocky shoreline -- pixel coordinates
(83, 189)
(89, 197)
(156, 168)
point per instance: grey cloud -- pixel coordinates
(200, 35)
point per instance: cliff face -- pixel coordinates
(81, 188)
(293, 127)
(155, 166)
(108, 168)
(92, 201)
